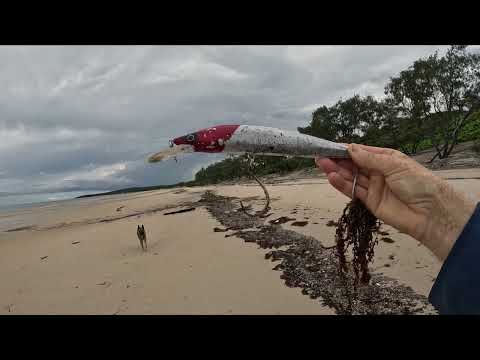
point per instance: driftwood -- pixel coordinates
(179, 211)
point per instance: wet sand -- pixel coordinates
(83, 256)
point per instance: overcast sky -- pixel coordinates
(86, 117)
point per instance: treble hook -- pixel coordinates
(250, 160)
(266, 208)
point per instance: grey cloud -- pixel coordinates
(117, 104)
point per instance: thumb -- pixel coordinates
(364, 159)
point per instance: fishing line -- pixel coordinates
(355, 175)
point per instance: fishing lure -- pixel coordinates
(261, 140)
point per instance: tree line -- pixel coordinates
(434, 103)
(426, 105)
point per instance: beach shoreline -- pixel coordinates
(83, 256)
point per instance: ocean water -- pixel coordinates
(20, 201)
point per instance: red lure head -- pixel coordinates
(208, 140)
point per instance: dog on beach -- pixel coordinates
(142, 236)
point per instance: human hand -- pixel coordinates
(402, 193)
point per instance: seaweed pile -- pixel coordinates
(305, 263)
(358, 228)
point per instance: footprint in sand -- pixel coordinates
(105, 283)
(120, 308)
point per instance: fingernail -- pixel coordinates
(353, 147)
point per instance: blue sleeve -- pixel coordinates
(457, 287)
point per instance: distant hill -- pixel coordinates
(138, 189)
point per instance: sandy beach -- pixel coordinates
(83, 256)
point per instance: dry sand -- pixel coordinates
(93, 264)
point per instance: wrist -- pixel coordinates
(450, 213)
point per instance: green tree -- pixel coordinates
(342, 122)
(409, 94)
(352, 115)
(437, 95)
(322, 124)
(456, 96)
(384, 127)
